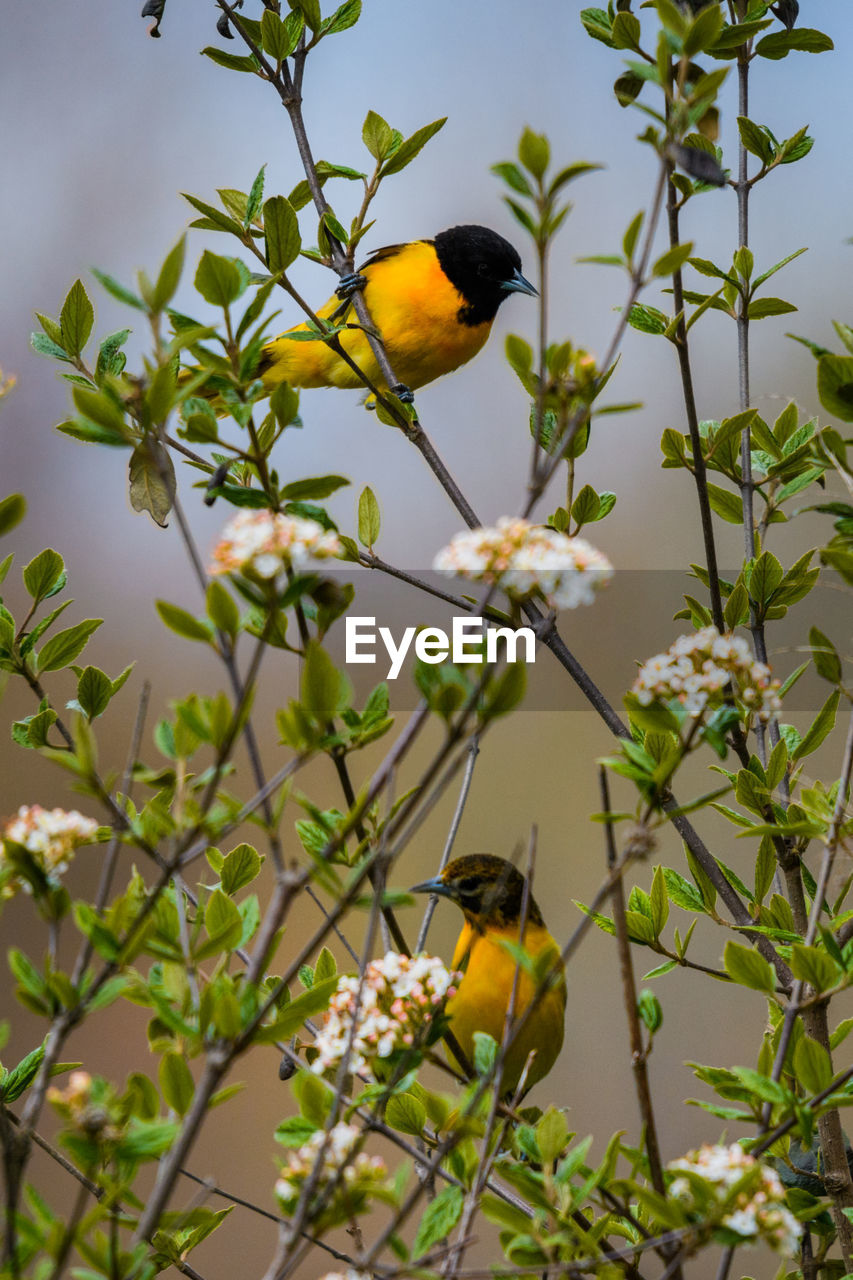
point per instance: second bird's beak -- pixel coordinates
(436, 885)
(518, 284)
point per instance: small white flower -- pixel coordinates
(522, 558)
(758, 1212)
(267, 543)
(399, 998)
(51, 836)
(697, 670)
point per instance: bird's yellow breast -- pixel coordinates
(415, 308)
(483, 995)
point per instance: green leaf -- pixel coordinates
(169, 277)
(760, 308)
(439, 1219)
(183, 623)
(61, 649)
(151, 474)
(12, 511)
(279, 38)
(222, 610)
(408, 149)
(704, 30)
(728, 505)
(44, 576)
(281, 229)
(671, 261)
(117, 290)
(312, 489)
(825, 656)
(176, 1082)
(534, 151)
(406, 1114)
(307, 1005)
(755, 140)
(813, 966)
(240, 867)
(233, 61)
(76, 319)
(552, 1134)
(812, 1064)
(94, 691)
(377, 135)
(369, 518)
(820, 728)
(295, 1131)
(801, 39)
(748, 968)
(322, 685)
(222, 921)
(218, 279)
(835, 385)
(344, 17)
(648, 319)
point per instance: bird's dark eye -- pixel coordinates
(469, 884)
(482, 269)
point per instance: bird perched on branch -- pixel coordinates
(432, 301)
(491, 894)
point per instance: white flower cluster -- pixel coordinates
(520, 558)
(349, 1274)
(267, 543)
(51, 836)
(758, 1210)
(339, 1144)
(399, 998)
(698, 669)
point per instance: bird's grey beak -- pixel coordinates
(436, 885)
(518, 284)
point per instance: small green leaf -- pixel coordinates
(369, 518)
(12, 511)
(439, 1219)
(812, 1064)
(377, 135)
(322, 687)
(748, 968)
(61, 649)
(281, 229)
(169, 277)
(152, 479)
(239, 868)
(44, 576)
(176, 1082)
(406, 1114)
(183, 623)
(409, 148)
(218, 279)
(76, 319)
(820, 728)
(835, 385)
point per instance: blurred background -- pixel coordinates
(105, 127)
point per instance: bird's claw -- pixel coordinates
(348, 285)
(404, 393)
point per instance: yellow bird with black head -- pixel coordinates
(490, 892)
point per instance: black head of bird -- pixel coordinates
(483, 266)
(489, 890)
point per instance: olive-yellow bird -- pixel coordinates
(433, 302)
(490, 892)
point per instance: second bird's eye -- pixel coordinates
(468, 885)
(482, 269)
